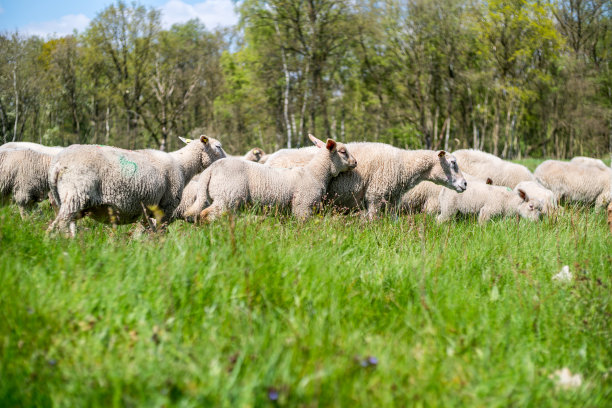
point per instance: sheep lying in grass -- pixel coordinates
(485, 165)
(384, 174)
(589, 161)
(23, 175)
(51, 150)
(425, 196)
(536, 190)
(488, 201)
(115, 185)
(231, 183)
(576, 182)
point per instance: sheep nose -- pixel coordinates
(354, 163)
(464, 184)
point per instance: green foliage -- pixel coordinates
(520, 77)
(400, 311)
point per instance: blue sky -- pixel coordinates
(51, 18)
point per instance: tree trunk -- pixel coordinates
(16, 102)
(496, 130)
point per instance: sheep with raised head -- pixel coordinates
(425, 196)
(488, 201)
(51, 150)
(576, 182)
(231, 183)
(384, 174)
(485, 165)
(23, 176)
(116, 185)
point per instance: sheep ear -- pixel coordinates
(331, 145)
(316, 141)
(441, 153)
(489, 181)
(203, 139)
(523, 194)
(184, 140)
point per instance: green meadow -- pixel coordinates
(334, 311)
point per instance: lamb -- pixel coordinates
(23, 175)
(575, 182)
(483, 165)
(115, 185)
(488, 201)
(190, 193)
(589, 161)
(424, 197)
(231, 183)
(51, 150)
(536, 190)
(384, 174)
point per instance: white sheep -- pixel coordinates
(486, 165)
(384, 174)
(425, 196)
(576, 182)
(115, 185)
(188, 197)
(23, 176)
(536, 190)
(231, 183)
(488, 201)
(51, 150)
(589, 161)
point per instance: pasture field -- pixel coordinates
(256, 311)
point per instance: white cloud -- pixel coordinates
(60, 27)
(213, 13)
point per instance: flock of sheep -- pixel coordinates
(200, 182)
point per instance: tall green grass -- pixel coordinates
(256, 311)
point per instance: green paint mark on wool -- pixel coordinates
(128, 168)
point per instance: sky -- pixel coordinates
(52, 18)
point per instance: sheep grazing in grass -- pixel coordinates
(231, 183)
(536, 190)
(51, 150)
(115, 185)
(384, 174)
(486, 165)
(488, 201)
(23, 176)
(575, 182)
(425, 196)
(589, 161)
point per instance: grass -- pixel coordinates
(255, 311)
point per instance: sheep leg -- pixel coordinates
(211, 213)
(484, 215)
(602, 200)
(66, 217)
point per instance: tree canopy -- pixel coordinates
(513, 77)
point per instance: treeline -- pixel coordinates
(516, 77)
